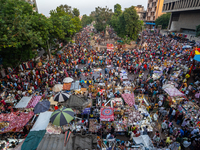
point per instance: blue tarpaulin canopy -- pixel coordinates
(86, 111)
(150, 23)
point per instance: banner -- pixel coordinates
(110, 47)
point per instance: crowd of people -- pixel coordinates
(79, 61)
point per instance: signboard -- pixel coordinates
(110, 47)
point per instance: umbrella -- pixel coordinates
(68, 80)
(61, 97)
(42, 107)
(58, 88)
(62, 116)
(187, 46)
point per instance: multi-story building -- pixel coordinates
(141, 12)
(154, 10)
(185, 15)
(33, 2)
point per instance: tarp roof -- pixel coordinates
(129, 99)
(144, 139)
(33, 139)
(171, 90)
(56, 142)
(75, 86)
(76, 102)
(42, 121)
(23, 102)
(16, 120)
(34, 100)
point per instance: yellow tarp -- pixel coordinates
(52, 102)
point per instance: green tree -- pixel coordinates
(65, 25)
(67, 9)
(114, 22)
(86, 20)
(163, 20)
(127, 25)
(117, 9)
(22, 30)
(198, 30)
(102, 17)
(77, 23)
(76, 12)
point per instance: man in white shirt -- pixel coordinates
(164, 126)
(160, 103)
(172, 114)
(186, 143)
(195, 130)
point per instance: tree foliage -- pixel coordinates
(23, 30)
(163, 20)
(117, 9)
(86, 20)
(127, 24)
(67, 9)
(102, 17)
(65, 24)
(76, 12)
(198, 30)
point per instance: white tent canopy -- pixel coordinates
(58, 88)
(144, 139)
(42, 121)
(68, 80)
(23, 102)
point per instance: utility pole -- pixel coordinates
(48, 50)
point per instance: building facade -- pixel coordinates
(33, 2)
(141, 12)
(185, 15)
(154, 10)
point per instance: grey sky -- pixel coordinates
(86, 6)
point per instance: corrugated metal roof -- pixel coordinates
(55, 142)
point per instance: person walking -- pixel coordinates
(172, 114)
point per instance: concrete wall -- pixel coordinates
(181, 5)
(187, 20)
(169, 1)
(159, 8)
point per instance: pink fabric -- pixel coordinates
(33, 101)
(107, 114)
(129, 99)
(173, 92)
(197, 95)
(66, 140)
(16, 120)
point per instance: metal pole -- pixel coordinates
(48, 50)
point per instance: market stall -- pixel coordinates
(171, 90)
(175, 96)
(190, 110)
(15, 121)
